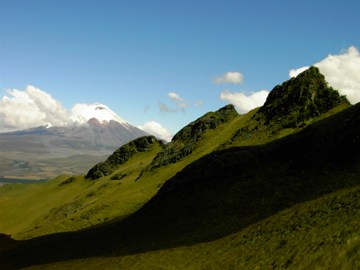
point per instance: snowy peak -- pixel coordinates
(82, 113)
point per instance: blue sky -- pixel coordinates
(130, 55)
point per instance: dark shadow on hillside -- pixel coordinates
(219, 194)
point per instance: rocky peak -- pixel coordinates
(210, 120)
(301, 98)
(186, 140)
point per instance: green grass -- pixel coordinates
(252, 129)
(319, 234)
(43, 208)
(32, 210)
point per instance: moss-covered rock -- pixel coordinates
(299, 99)
(186, 140)
(122, 155)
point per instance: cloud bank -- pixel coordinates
(232, 77)
(156, 129)
(33, 108)
(243, 102)
(30, 108)
(341, 72)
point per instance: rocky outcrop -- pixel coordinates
(122, 155)
(186, 140)
(299, 99)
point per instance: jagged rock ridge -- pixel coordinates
(186, 140)
(288, 105)
(301, 98)
(182, 144)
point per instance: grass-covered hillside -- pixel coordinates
(229, 192)
(318, 234)
(72, 203)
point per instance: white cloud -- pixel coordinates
(294, 72)
(341, 72)
(156, 129)
(243, 102)
(232, 77)
(30, 108)
(180, 104)
(175, 97)
(33, 108)
(179, 101)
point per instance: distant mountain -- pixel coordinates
(40, 148)
(101, 137)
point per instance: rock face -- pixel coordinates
(301, 98)
(122, 155)
(186, 140)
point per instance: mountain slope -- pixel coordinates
(73, 203)
(187, 139)
(204, 195)
(134, 177)
(223, 193)
(234, 188)
(318, 234)
(121, 156)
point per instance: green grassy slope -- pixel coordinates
(234, 188)
(318, 234)
(205, 194)
(38, 209)
(230, 191)
(66, 204)
(141, 169)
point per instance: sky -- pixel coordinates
(161, 64)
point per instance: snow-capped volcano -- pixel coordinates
(33, 107)
(82, 113)
(87, 133)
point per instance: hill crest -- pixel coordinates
(301, 98)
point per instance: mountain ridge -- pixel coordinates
(239, 176)
(178, 223)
